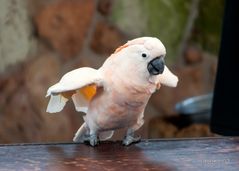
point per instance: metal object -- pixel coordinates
(195, 105)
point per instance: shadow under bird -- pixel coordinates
(115, 95)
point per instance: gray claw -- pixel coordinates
(130, 139)
(92, 139)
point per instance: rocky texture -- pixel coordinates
(105, 7)
(19, 122)
(177, 126)
(22, 122)
(40, 73)
(8, 86)
(65, 24)
(15, 32)
(22, 104)
(192, 55)
(161, 128)
(106, 38)
(208, 25)
(195, 130)
(81, 32)
(164, 19)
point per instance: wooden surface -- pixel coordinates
(174, 154)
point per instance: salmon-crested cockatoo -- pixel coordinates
(115, 95)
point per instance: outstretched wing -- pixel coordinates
(80, 85)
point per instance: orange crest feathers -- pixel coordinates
(137, 41)
(121, 47)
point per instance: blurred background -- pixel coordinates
(42, 40)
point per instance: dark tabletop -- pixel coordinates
(166, 154)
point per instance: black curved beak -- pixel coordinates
(156, 66)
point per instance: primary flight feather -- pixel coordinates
(115, 95)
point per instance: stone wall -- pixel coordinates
(42, 40)
(16, 38)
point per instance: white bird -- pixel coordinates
(115, 95)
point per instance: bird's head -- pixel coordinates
(149, 51)
(142, 59)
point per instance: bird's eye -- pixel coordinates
(144, 55)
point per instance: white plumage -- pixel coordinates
(115, 95)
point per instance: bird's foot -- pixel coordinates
(129, 139)
(92, 139)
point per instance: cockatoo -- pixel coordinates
(115, 95)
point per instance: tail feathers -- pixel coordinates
(56, 103)
(79, 135)
(106, 135)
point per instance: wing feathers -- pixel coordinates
(80, 84)
(56, 103)
(88, 91)
(81, 104)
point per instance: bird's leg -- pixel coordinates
(130, 138)
(92, 138)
